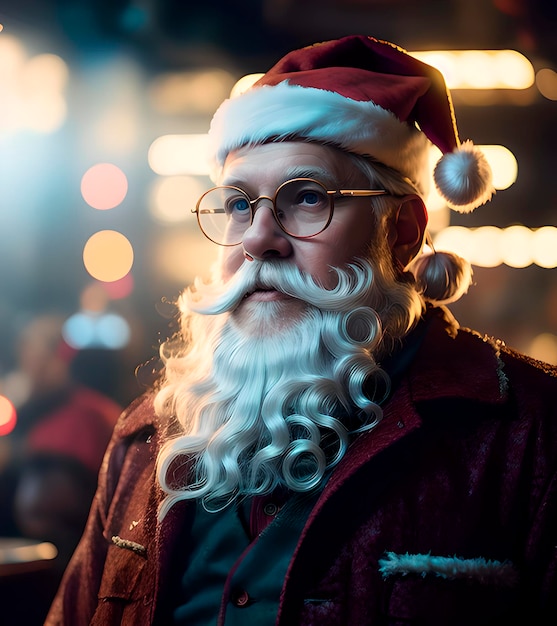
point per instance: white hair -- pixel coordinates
(441, 277)
(259, 410)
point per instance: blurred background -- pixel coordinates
(103, 109)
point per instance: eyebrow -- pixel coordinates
(318, 173)
(298, 171)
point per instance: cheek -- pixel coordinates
(230, 261)
(350, 241)
(317, 259)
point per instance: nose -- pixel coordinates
(265, 238)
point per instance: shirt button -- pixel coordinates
(270, 509)
(240, 598)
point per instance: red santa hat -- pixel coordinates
(368, 97)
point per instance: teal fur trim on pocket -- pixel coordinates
(502, 573)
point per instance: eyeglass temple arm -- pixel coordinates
(207, 211)
(362, 192)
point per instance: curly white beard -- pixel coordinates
(261, 407)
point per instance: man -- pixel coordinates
(326, 446)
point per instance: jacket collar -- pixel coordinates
(457, 364)
(448, 363)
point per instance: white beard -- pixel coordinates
(262, 408)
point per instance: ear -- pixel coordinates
(406, 234)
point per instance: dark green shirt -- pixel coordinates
(239, 559)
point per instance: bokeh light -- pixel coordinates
(503, 163)
(190, 92)
(546, 82)
(171, 155)
(113, 331)
(111, 107)
(104, 186)
(544, 348)
(516, 246)
(172, 198)
(85, 330)
(94, 297)
(108, 255)
(79, 330)
(489, 246)
(44, 73)
(486, 249)
(244, 83)
(8, 416)
(467, 74)
(31, 89)
(121, 288)
(181, 255)
(117, 129)
(500, 69)
(13, 55)
(544, 247)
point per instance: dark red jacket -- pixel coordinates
(445, 514)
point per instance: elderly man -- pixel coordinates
(326, 445)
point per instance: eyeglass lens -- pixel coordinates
(302, 209)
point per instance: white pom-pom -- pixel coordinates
(442, 276)
(463, 177)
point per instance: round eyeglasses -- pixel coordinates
(302, 207)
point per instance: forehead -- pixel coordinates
(273, 163)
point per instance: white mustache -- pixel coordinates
(281, 276)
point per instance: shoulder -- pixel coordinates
(517, 372)
(137, 424)
(462, 363)
(525, 365)
(486, 397)
(139, 414)
(478, 381)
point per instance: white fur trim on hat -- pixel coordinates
(286, 111)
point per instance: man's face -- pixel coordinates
(276, 323)
(259, 171)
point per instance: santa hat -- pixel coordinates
(365, 96)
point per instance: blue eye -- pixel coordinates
(237, 205)
(240, 205)
(310, 197)
(237, 208)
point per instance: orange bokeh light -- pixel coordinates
(108, 255)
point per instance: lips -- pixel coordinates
(265, 294)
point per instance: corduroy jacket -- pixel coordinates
(445, 514)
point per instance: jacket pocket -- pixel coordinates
(439, 601)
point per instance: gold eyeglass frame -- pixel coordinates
(356, 193)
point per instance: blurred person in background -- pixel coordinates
(52, 457)
(326, 445)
